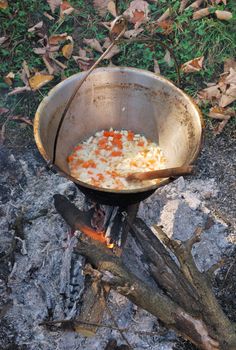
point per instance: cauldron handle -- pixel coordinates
(119, 20)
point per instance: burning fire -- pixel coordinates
(96, 235)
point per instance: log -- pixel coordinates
(185, 303)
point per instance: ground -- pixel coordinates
(208, 37)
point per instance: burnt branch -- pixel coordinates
(204, 324)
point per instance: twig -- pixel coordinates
(54, 322)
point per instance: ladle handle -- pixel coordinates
(163, 173)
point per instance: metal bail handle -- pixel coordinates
(120, 24)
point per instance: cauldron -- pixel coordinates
(121, 98)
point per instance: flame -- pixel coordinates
(96, 235)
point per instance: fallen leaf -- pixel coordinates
(19, 90)
(195, 5)
(229, 96)
(101, 6)
(210, 93)
(223, 15)
(65, 9)
(194, 65)
(229, 63)
(94, 44)
(35, 27)
(114, 51)
(48, 63)
(167, 26)
(137, 13)
(22, 119)
(217, 112)
(117, 27)
(8, 78)
(156, 67)
(51, 18)
(3, 4)
(217, 2)
(167, 58)
(3, 39)
(39, 80)
(183, 5)
(54, 4)
(55, 39)
(201, 13)
(59, 63)
(3, 110)
(231, 78)
(67, 50)
(219, 128)
(111, 7)
(133, 33)
(84, 63)
(163, 17)
(40, 50)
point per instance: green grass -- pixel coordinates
(214, 39)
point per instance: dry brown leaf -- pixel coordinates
(111, 7)
(201, 13)
(59, 63)
(217, 112)
(68, 49)
(40, 50)
(56, 39)
(3, 4)
(3, 110)
(84, 63)
(183, 5)
(8, 78)
(167, 58)
(211, 93)
(19, 90)
(49, 64)
(229, 63)
(101, 6)
(163, 17)
(39, 80)
(94, 44)
(3, 39)
(137, 13)
(2, 133)
(167, 26)
(65, 9)
(22, 119)
(229, 96)
(54, 4)
(36, 27)
(217, 2)
(51, 18)
(223, 15)
(219, 128)
(195, 5)
(25, 73)
(114, 51)
(156, 67)
(133, 33)
(194, 65)
(231, 78)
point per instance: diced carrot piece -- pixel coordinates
(100, 177)
(90, 172)
(116, 153)
(89, 164)
(103, 160)
(70, 158)
(97, 152)
(102, 143)
(130, 136)
(140, 143)
(117, 143)
(108, 133)
(117, 135)
(78, 148)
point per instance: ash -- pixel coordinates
(42, 279)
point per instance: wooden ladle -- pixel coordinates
(163, 173)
